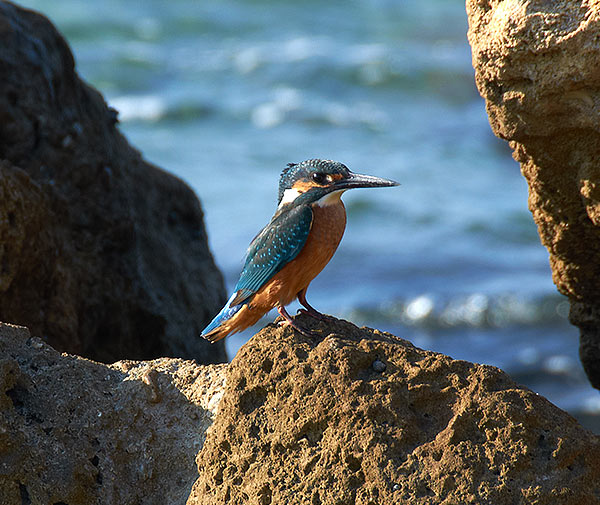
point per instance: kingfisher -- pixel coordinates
(294, 247)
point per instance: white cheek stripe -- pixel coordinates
(289, 195)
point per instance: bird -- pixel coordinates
(294, 247)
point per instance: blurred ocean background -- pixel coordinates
(225, 93)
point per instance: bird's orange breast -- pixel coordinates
(328, 225)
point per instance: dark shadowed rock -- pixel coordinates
(322, 421)
(101, 253)
(536, 65)
(78, 432)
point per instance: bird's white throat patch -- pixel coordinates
(330, 198)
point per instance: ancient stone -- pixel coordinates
(310, 421)
(74, 431)
(536, 65)
(101, 253)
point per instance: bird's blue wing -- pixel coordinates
(273, 248)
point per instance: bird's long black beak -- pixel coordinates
(364, 181)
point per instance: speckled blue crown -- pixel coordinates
(294, 171)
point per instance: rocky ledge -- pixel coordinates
(77, 432)
(353, 416)
(357, 416)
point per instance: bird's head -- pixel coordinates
(313, 180)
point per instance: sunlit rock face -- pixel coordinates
(76, 431)
(536, 65)
(354, 415)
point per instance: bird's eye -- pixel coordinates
(319, 177)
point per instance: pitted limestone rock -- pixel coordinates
(79, 432)
(309, 420)
(536, 66)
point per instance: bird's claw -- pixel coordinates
(298, 328)
(315, 314)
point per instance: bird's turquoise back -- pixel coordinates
(273, 248)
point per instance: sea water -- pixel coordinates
(225, 93)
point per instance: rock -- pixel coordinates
(536, 66)
(309, 421)
(78, 432)
(295, 420)
(101, 253)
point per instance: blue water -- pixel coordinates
(225, 93)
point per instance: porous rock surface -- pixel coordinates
(536, 65)
(101, 253)
(362, 417)
(77, 432)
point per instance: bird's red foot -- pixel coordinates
(309, 309)
(289, 320)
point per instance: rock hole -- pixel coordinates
(316, 499)
(301, 354)
(113, 116)
(267, 365)
(13, 97)
(265, 495)
(225, 446)
(218, 477)
(4, 268)
(312, 431)
(15, 397)
(253, 399)
(311, 464)
(11, 219)
(25, 500)
(353, 463)
(94, 461)
(18, 396)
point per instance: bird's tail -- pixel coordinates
(216, 330)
